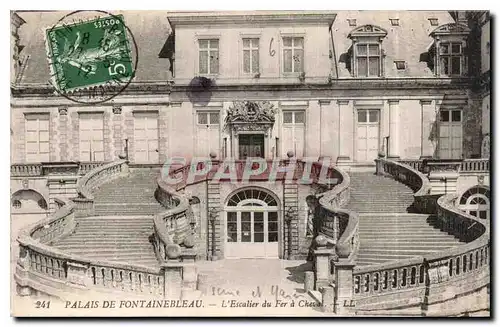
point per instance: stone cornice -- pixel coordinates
(230, 18)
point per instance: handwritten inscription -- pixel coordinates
(272, 52)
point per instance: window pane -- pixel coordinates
(298, 61)
(214, 44)
(255, 61)
(287, 59)
(456, 115)
(362, 50)
(287, 41)
(444, 65)
(444, 48)
(287, 117)
(203, 62)
(232, 234)
(362, 67)
(455, 65)
(445, 115)
(374, 66)
(214, 62)
(456, 48)
(214, 118)
(373, 49)
(246, 43)
(202, 118)
(298, 42)
(258, 226)
(246, 227)
(299, 117)
(483, 214)
(272, 227)
(246, 61)
(203, 43)
(373, 116)
(362, 116)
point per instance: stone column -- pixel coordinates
(344, 284)
(345, 137)
(428, 118)
(394, 127)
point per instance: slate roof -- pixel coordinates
(150, 30)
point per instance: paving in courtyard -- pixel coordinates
(233, 285)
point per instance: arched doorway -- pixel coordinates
(476, 202)
(252, 227)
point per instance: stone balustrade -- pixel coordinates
(446, 282)
(44, 268)
(42, 169)
(34, 169)
(172, 232)
(475, 166)
(86, 167)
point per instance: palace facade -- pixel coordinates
(349, 86)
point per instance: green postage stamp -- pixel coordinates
(89, 54)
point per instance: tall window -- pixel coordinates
(293, 54)
(293, 132)
(450, 134)
(450, 58)
(368, 60)
(366, 52)
(207, 133)
(91, 133)
(209, 56)
(37, 137)
(251, 55)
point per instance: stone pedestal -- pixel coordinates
(322, 264)
(443, 175)
(344, 284)
(77, 274)
(173, 280)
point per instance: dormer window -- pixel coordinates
(450, 42)
(367, 53)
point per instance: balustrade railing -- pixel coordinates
(475, 165)
(37, 169)
(41, 266)
(422, 277)
(34, 169)
(86, 167)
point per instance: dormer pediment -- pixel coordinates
(367, 31)
(451, 29)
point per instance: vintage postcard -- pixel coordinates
(257, 163)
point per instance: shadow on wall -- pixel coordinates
(346, 58)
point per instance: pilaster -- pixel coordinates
(394, 127)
